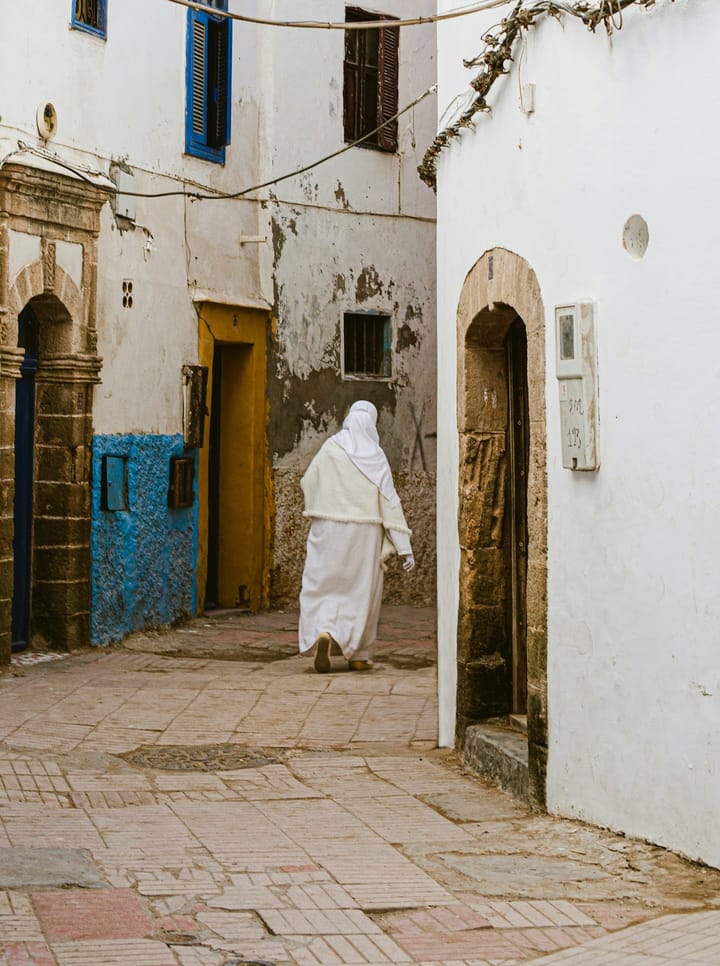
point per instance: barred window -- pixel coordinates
(366, 346)
(91, 16)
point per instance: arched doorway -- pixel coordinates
(502, 614)
(48, 309)
(51, 493)
(493, 518)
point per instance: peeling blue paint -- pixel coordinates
(144, 558)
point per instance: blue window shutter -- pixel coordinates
(207, 116)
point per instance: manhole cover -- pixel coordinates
(197, 757)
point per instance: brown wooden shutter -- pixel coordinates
(217, 36)
(351, 77)
(350, 87)
(389, 58)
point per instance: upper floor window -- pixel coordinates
(370, 89)
(207, 111)
(90, 15)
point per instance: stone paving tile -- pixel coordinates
(26, 825)
(26, 954)
(441, 946)
(237, 926)
(115, 952)
(347, 949)
(687, 940)
(185, 882)
(335, 718)
(521, 913)
(18, 921)
(403, 820)
(267, 783)
(391, 714)
(343, 777)
(81, 914)
(240, 835)
(246, 895)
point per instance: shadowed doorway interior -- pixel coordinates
(24, 478)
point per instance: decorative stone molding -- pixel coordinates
(69, 368)
(48, 259)
(10, 361)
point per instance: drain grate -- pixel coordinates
(225, 757)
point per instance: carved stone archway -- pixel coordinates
(500, 290)
(49, 226)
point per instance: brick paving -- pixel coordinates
(349, 838)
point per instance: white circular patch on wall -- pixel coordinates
(636, 236)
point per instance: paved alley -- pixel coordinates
(201, 797)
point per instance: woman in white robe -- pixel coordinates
(357, 522)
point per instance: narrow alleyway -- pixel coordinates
(201, 797)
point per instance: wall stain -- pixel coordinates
(339, 286)
(369, 284)
(318, 400)
(278, 239)
(341, 198)
(406, 338)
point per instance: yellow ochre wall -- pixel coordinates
(245, 483)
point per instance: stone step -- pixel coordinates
(499, 753)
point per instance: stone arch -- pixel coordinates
(48, 285)
(50, 225)
(500, 291)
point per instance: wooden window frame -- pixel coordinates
(360, 114)
(80, 7)
(208, 82)
(378, 326)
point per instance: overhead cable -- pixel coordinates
(24, 148)
(354, 25)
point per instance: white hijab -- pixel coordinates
(359, 438)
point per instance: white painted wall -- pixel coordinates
(123, 99)
(633, 603)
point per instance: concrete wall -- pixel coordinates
(633, 675)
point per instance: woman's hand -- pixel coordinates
(408, 561)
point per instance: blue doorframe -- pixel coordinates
(24, 460)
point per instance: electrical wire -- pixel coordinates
(355, 25)
(229, 195)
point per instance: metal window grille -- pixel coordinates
(366, 341)
(90, 13)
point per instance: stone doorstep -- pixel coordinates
(499, 753)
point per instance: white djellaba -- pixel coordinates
(357, 523)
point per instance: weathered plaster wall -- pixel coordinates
(633, 555)
(357, 234)
(143, 558)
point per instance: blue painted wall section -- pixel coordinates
(143, 558)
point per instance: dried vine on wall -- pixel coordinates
(496, 56)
